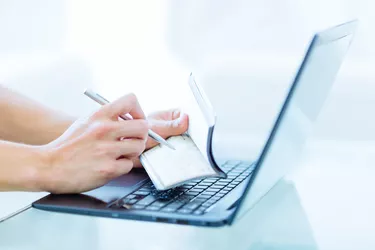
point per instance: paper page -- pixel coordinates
(167, 167)
(198, 125)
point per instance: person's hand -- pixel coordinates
(95, 150)
(165, 123)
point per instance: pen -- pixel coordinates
(101, 100)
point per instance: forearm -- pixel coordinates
(27, 121)
(21, 167)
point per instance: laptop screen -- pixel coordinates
(300, 110)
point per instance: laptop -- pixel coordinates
(213, 202)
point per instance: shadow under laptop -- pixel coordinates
(278, 221)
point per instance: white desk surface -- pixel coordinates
(328, 205)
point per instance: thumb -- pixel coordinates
(173, 127)
(166, 128)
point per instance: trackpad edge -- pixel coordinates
(119, 187)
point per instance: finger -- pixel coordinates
(127, 104)
(176, 114)
(128, 148)
(168, 115)
(137, 163)
(123, 166)
(137, 129)
(110, 130)
(168, 128)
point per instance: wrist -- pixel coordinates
(37, 176)
(57, 128)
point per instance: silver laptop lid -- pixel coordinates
(307, 94)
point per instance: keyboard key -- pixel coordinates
(194, 182)
(175, 204)
(159, 203)
(203, 196)
(208, 203)
(143, 193)
(130, 196)
(147, 200)
(211, 201)
(218, 185)
(169, 209)
(200, 200)
(185, 198)
(130, 202)
(236, 171)
(185, 211)
(192, 205)
(198, 212)
(148, 185)
(215, 198)
(192, 193)
(219, 195)
(208, 193)
(208, 181)
(223, 181)
(232, 185)
(245, 164)
(225, 168)
(136, 206)
(195, 189)
(151, 208)
(165, 195)
(212, 179)
(223, 192)
(214, 189)
(203, 185)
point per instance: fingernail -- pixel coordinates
(183, 115)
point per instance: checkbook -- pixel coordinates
(193, 157)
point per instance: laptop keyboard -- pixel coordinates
(195, 197)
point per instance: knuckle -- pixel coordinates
(132, 98)
(142, 126)
(103, 150)
(96, 115)
(126, 166)
(109, 171)
(101, 129)
(137, 147)
(140, 147)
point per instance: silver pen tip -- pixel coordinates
(171, 147)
